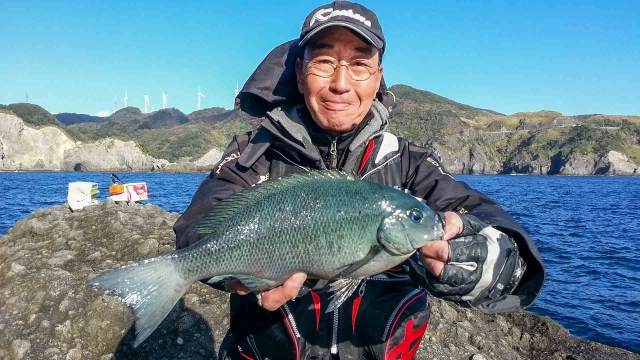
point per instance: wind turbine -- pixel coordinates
(125, 99)
(164, 100)
(237, 91)
(200, 94)
(26, 96)
(146, 103)
(115, 103)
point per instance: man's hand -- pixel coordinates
(274, 298)
(435, 254)
(475, 262)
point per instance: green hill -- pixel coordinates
(428, 100)
(210, 115)
(163, 119)
(34, 115)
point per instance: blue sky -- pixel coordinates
(576, 57)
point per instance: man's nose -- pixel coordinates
(341, 80)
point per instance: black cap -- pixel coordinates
(344, 13)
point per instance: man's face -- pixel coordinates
(338, 103)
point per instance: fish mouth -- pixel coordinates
(439, 226)
(387, 244)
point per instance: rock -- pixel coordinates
(48, 314)
(209, 159)
(26, 148)
(160, 165)
(19, 349)
(576, 164)
(15, 269)
(613, 163)
(74, 354)
(619, 164)
(479, 162)
(107, 155)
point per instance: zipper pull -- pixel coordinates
(334, 155)
(361, 291)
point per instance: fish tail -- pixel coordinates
(149, 287)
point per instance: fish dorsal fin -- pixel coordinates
(230, 206)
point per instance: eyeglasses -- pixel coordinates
(359, 69)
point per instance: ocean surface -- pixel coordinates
(586, 228)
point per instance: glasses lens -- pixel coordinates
(324, 68)
(361, 71)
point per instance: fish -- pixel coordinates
(328, 224)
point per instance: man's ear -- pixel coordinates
(379, 74)
(300, 75)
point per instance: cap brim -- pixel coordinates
(368, 35)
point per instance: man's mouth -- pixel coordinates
(336, 105)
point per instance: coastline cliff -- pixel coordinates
(24, 148)
(469, 140)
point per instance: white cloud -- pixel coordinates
(104, 113)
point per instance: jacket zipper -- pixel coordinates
(292, 321)
(395, 312)
(334, 154)
(252, 344)
(334, 337)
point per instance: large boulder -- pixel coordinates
(528, 166)
(46, 313)
(466, 160)
(578, 164)
(209, 159)
(479, 162)
(107, 155)
(615, 163)
(26, 148)
(203, 164)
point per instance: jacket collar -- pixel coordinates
(287, 124)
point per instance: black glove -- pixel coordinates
(484, 264)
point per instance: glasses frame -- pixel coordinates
(335, 67)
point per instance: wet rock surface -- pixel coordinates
(46, 313)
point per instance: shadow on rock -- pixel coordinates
(183, 334)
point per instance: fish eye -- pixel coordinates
(415, 216)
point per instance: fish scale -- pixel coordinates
(327, 224)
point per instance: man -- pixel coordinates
(319, 102)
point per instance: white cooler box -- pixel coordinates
(81, 194)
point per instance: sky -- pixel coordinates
(575, 57)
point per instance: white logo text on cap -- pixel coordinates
(326, 14)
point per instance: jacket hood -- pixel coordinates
(273, 84)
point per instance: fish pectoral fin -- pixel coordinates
(318, 288)
(254, 284)
(342, 288)
(217, 279)
(375, 250)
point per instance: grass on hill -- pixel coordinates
(430, 100)
(34, 115)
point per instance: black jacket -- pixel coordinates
(281, 144)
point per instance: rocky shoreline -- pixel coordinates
(23, 148)
(46, 313)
